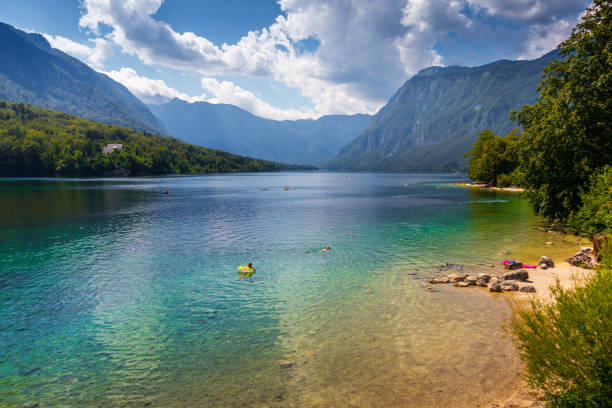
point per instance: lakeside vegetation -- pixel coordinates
(42, 142)
(563, 156)
(563, 159)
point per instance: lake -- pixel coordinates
(113, 294)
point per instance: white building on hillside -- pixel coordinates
(111, 147)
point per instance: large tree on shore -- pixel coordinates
(568, 131)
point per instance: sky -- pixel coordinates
(290, 59)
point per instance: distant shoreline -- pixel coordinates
(481, 186)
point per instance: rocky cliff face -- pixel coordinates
(436, 116)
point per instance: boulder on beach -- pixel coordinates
(585, 258)
(513, 266)
(521, 275)
(546, 262)
(527, 288)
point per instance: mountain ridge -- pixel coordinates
(437, 114)
(33, 72)
(235, 130)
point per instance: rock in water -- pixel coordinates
(461, 284)
(509, 286)
(471, 280)
(484, 276)
(454, 278)
(527, 288)
(495, 287)
(517, 275)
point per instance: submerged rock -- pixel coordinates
(521, 275)
(286, 363)
(461, 284)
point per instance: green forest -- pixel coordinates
(563, 157)
(43, 142)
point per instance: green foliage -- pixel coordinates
(595, 214)
(567, 343)
(568, 131)
(494, 158)
(41, 142)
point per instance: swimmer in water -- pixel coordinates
(327, 248)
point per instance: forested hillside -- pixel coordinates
(41, 142)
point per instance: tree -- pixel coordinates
(568, 131)
(492, 156)
(595, 214)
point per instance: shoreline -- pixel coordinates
(568, 275)
(486, 188)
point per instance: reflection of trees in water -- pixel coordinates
(34, 203)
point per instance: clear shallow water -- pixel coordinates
(112, 294)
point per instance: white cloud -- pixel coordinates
(366, 50)
(95, 54)
(546, 37)
(149, 90)
(157, 91)
(230, 93)
(531, 11)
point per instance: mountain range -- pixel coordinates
(426, 126)
(33, 72)
(437, 114)
(232, 129)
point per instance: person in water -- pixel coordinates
(251, 265)
(327, 248)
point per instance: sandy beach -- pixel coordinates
(484, 187)
(568, 275)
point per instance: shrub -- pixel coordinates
(567, 343)
(595, 213)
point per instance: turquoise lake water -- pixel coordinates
(113, 295)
